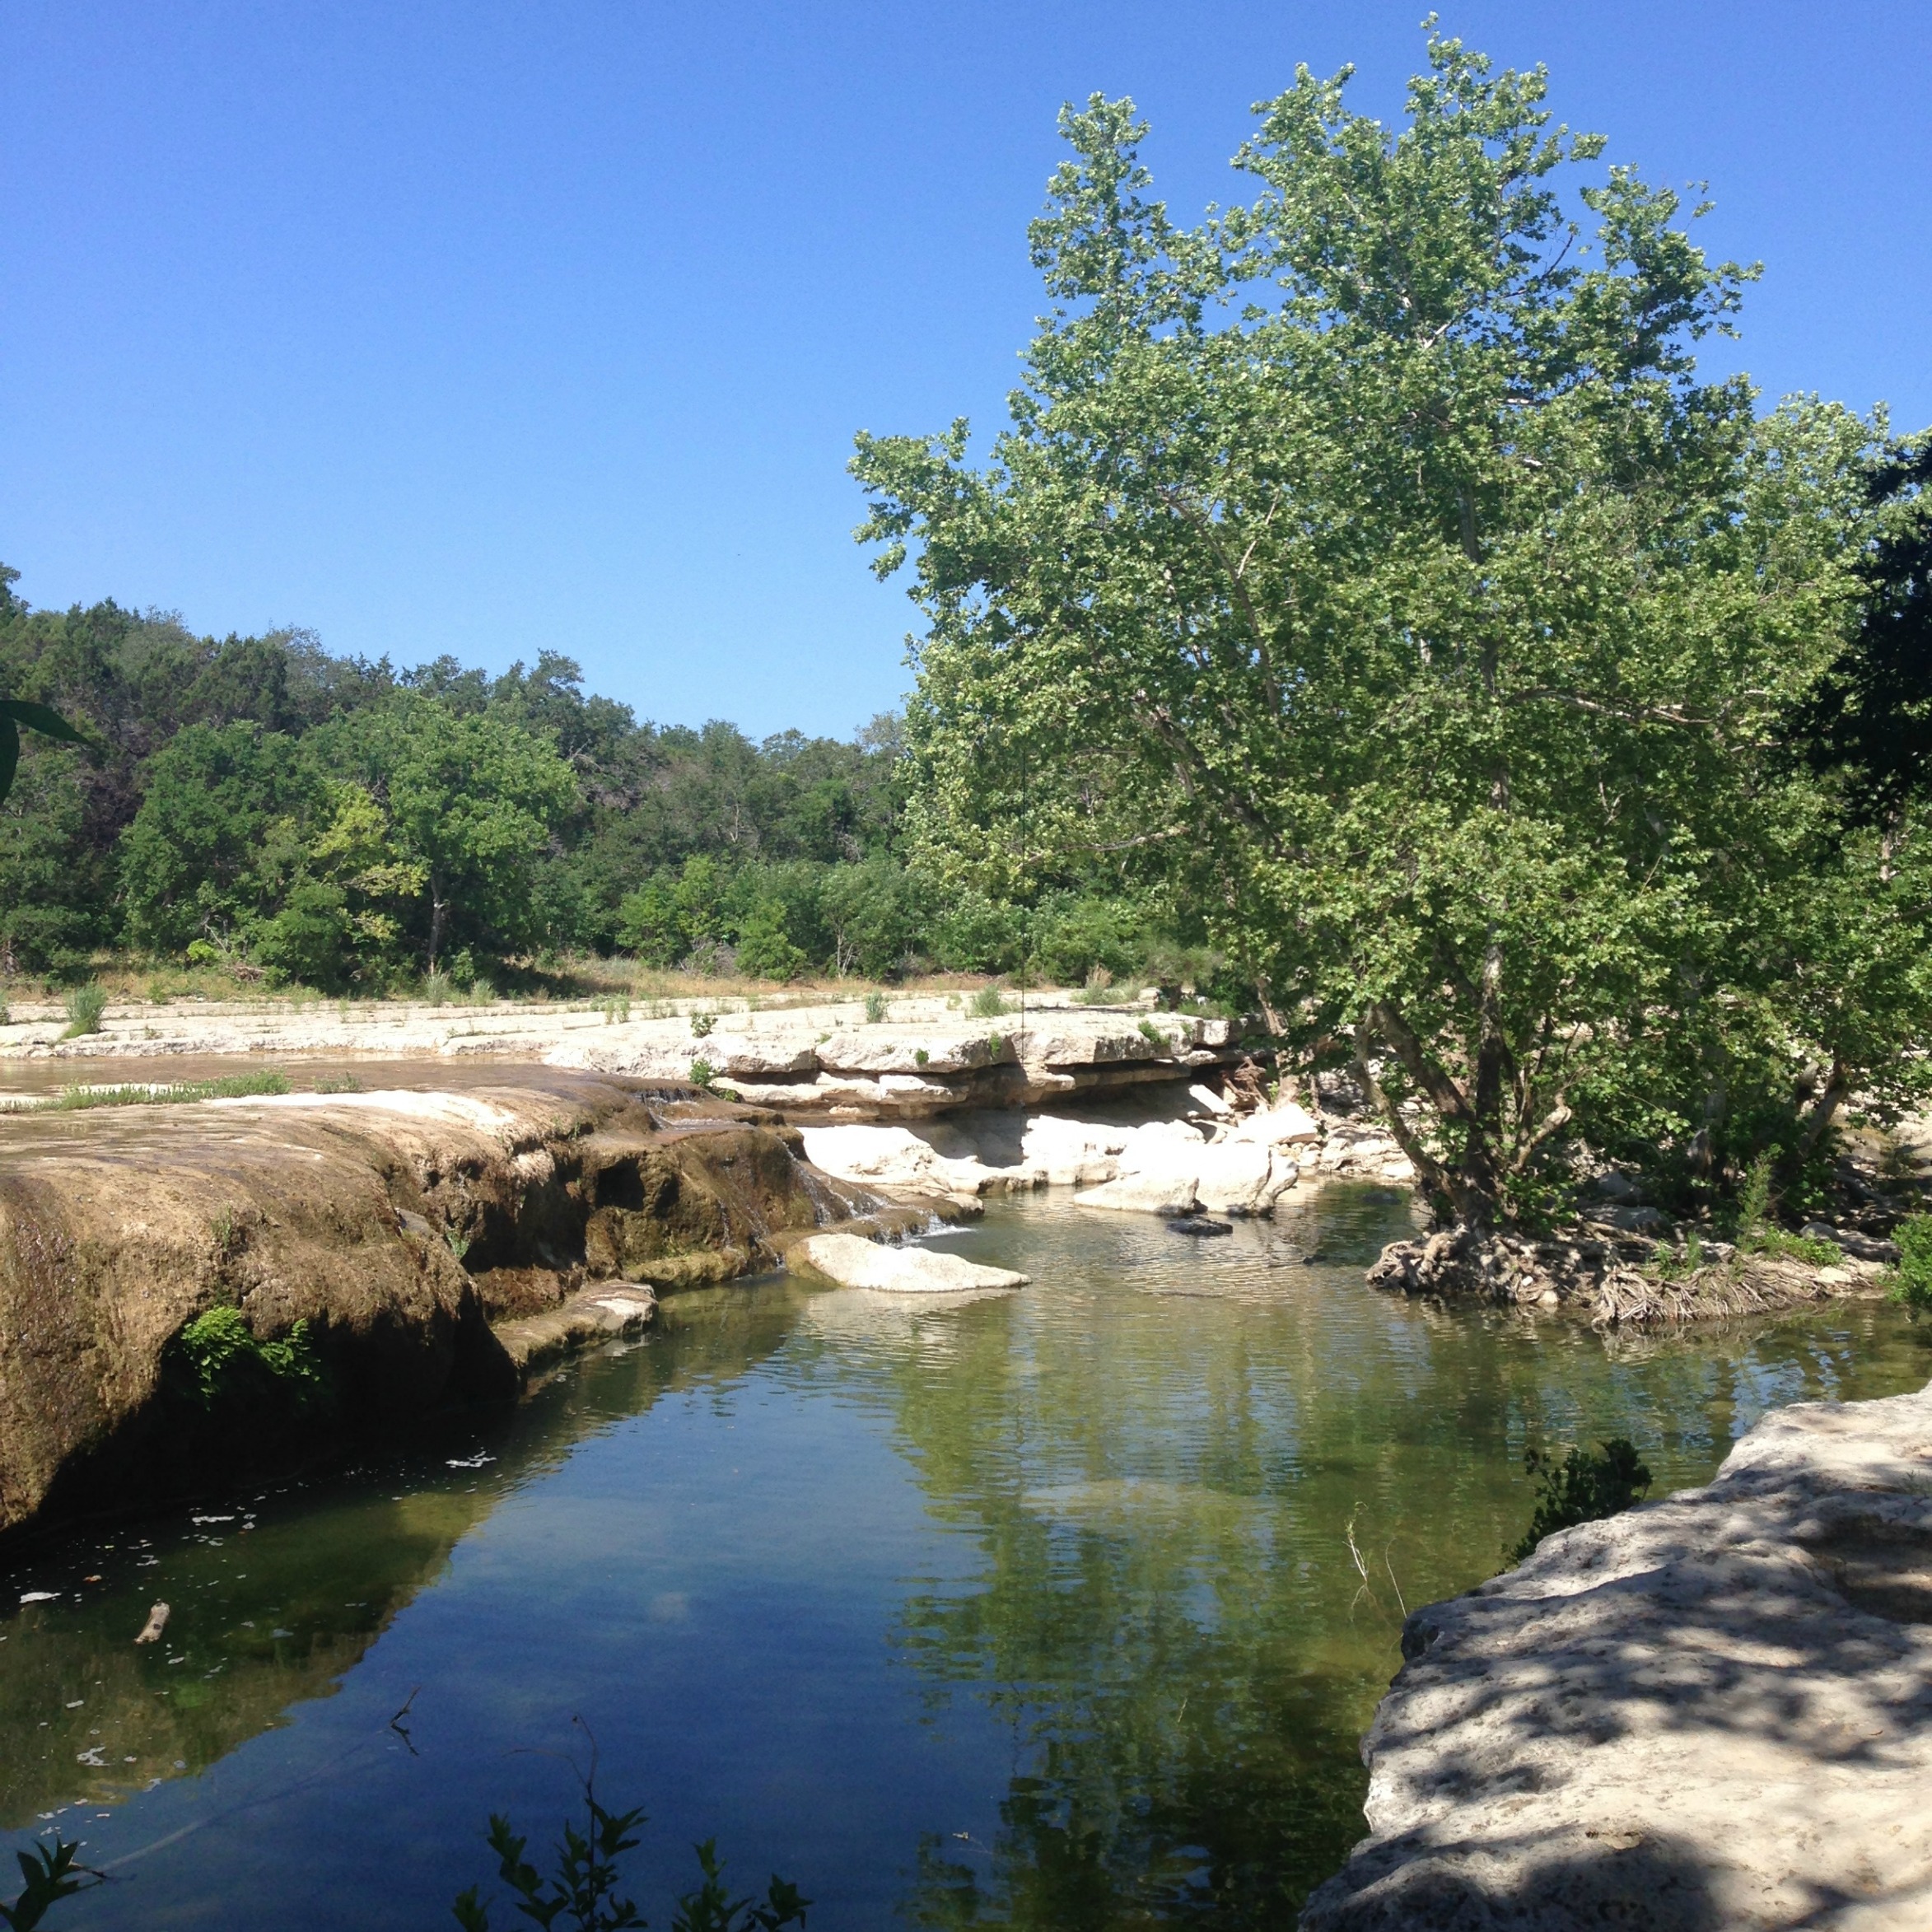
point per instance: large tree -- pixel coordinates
(1369, 569)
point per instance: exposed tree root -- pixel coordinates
(1616, 1281)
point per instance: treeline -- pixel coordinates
(260, 803)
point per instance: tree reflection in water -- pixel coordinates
(1159, 1450)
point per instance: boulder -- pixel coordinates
(894, 1158)
(1284, 1125)
(849, 1261)
(1169, 1192)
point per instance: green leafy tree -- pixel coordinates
(1368, 568)
(469, 801)
(200, 859)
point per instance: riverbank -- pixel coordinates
(400, 1247)
(1716, 1710)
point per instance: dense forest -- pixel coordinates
(260, 803)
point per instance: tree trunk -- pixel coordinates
(439, 913)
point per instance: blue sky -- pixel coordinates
(483, 328)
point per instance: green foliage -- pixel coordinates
(584, 1890)
(1756, 1232)
(876, 1008)
(229, 1086)
(988, 1003)
(17, 711)
(1368, 573)
(702, 1024)
(764, 950)
(50, 1874)
(85, 1005)
(1913, 1278)
(920, 1057)
(225, 1364)
(1586, 1485)
(711, 1908)
(702, 1073)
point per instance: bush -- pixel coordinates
(876, 1008)
(308, 940)
(1584, 1487)
(1913, 1278)
(1070, 939)
(85, 1005)
(987, 1004)
(765, 950)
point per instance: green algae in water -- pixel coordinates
(1035, 1610)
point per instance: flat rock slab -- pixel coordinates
(849, 1261)
(1715, 1711)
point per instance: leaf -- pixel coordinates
(9, 753)
(42, 718)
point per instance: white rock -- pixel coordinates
(1209, 1098)
(1144, 1193)
(1283, 1125)
(849, 1262)
(891, 1157)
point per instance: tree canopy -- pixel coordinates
(1370, 568)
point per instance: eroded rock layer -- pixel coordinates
(396, 1226)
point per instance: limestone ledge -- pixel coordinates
(1167, 1149)
(1713, 1711)
(436, 1245)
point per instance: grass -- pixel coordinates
(132, 979)
(234, 1086)
(988, 1003)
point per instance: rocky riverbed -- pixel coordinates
(1713, 1711)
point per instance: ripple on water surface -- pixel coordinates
(1034, 1608)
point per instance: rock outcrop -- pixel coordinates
(1167, 1149)
(396, 1226)
(1713, 1711)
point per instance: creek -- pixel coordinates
(1036, 1609)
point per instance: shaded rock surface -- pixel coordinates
(398, 1226)
(1713, 1711)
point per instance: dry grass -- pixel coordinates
(132, 980)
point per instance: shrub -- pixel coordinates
(988, 1003)
(702, 1024)
(702, 1073)
(85, 1005)
(308, 940)
(1584, 1486)
(765, 950)
(1913, 1278)
(225, 1364)
(876, 1008)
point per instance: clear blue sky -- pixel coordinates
(481, 329)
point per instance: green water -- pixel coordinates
(1037, 1609)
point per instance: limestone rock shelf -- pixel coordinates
(435, 1243)
(1713, 1711)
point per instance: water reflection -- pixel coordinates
(1039, 1609)
(1199, 1526)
